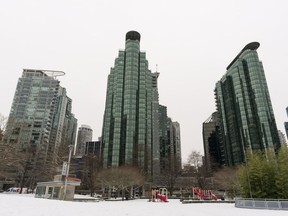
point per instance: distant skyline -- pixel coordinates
(191, 42)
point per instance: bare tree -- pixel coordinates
(226, 180)
(195, 159)
(196, 168)
(8, 158)
(91, 168)
(26, 166)
(3, 121)
(168, 179)
(25, 162)
(15, 165)
(121, 178)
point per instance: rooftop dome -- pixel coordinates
(133, 35)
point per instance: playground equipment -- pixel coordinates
(203, 194)
(159, 195)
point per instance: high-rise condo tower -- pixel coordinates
(128, 137)
(244, 107)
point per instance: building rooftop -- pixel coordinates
(250, 46)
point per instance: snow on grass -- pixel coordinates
(27, 205)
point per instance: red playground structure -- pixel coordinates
(199, 194)
(160, 195)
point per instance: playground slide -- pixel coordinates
(197, 191)
(163, 198)
(213, 196)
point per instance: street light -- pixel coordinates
(67, 172)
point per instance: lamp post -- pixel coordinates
(67, 173)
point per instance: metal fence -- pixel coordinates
(262, 204)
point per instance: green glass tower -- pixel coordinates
(131, 100)
(245, 111)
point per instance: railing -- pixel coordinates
(262, 204)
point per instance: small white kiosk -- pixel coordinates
(58, 189)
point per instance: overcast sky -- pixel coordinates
(192, 42)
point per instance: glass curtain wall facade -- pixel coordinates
(127, 126)
(163, 139)
(40, 118)
(69, 129)
(155, 128)
(174, 147)
(170, 143)
(212, 147)
(245, 111)
(32, 110)
(177, 166)
(64, 125)
(84, 135)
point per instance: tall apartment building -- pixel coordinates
(211, 141)
(64, 125)
(40, 119)
(155, 128)
(85, 134)
(176, 150)
(245, 111)
(127, 128)
(131, 126)
(170, 143)
(164, 139)
(94, 148)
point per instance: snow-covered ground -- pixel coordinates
(27, 205)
